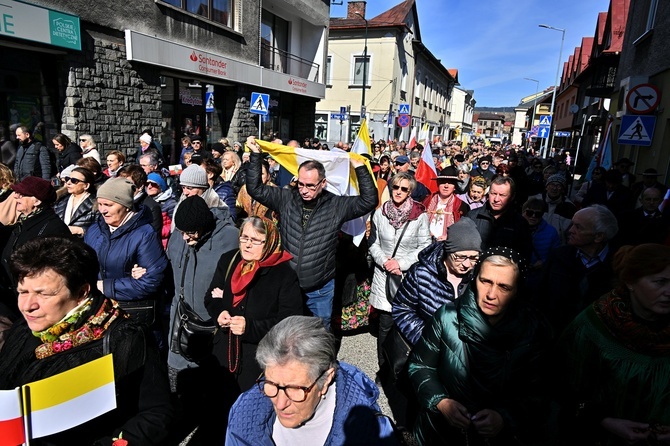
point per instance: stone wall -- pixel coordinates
(242, 123)
(109, 98)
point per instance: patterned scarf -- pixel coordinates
(74, 330)
(634, 333)
(245, 271)
(447, 213)
(397, 215)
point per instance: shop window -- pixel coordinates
(219, 11)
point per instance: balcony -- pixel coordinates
(603, 82)
(287, 63)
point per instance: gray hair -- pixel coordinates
(91, 141)
(256, 224)
(398, 177)
(604, 221)
(499, 260)
(463, 167)
(151, 157)
(303, 339)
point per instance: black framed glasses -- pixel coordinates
(461, 258)
(402, 188)
(73, 180)
(297, 394)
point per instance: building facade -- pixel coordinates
(175, 68)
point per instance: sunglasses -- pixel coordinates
(151, 183)
(73, 180)
(399, 164)
(83, 139)
(537, 214)
(402, 188)
(196, 142)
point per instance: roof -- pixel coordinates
(394, 17)
(454, 73)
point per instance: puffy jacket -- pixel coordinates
(167, 204)
(382, 242)
(199, 263)
(424, 289)
(84, 216)
(32, 160)
(510, 229)
(354, 423)
(225, 192)
(313, 247)
(134, 242)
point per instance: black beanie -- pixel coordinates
(193, 215)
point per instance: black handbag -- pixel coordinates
(393, 280)
(192, 336)
(395, 351)
(140, 311)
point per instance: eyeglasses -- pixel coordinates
(460, 258)
(196, 142)
(399, 164)
(297, 394)
(73, 180)
(254, 241)
(402, 188)
(530, 213)
(151, 184)
(309, 186)
(83, 139)
(484, 162)
(190, 235)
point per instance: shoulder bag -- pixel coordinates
(192, 336)
(393, 280)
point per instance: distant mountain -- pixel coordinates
(495, 109)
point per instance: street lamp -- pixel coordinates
(365, 64)
(553, 97)
(537, 86)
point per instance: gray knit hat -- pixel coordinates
(462, 236)
(194, 176)
(557, 178)
(118, 190)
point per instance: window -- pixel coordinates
(417, 88)
(426, 91)
(329, 71)
(361, 63)
(219, 11)
(403, 82)
(432, 93)
(274, 42)
(651, 19)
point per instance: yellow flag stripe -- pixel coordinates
(71, 384)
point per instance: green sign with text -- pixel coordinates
(24, 21)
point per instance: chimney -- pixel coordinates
(354, 7)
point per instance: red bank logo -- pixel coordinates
(290, 81)
(194, 57)
(297, 85)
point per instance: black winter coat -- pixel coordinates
(143, 410)
(510, 230)
(70, 155)
(273, 295)
(314, 246)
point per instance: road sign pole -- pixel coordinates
(260, 123)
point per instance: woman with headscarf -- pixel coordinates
(253, 288)
(478, 368)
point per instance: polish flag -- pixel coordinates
(12, 430)
(412, 139)
(426, 171)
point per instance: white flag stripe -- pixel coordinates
(10, 405)
(73, 412)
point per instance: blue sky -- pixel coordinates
(495, 44)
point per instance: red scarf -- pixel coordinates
(244, 272)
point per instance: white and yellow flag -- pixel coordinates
(340, 176)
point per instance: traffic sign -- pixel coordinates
(643, 99)
(260, 103)
(403, 109)
(545, 120)
(389, 120)
(403, 120)
(543, 131)
(338, 116)
(343, 111)
(209, 101)
(637, 130)
(562, 134)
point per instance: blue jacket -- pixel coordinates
(135, 242)
(424, 289)
(252, 416)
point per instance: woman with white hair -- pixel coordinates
(305, 396)
(463, 178)
(89, 148)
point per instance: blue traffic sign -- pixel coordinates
(637, 130)
(403, 109)
(341, 117)
(545, 120)
(343, 111)
(403, 120)
(562, 134)
(543, 131)
(260, 103)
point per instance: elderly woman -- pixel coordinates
(613, 360)
(477, 368)
(444, 207)
(463, 178)
(115, 161)
(67, 323)
(247, 206)
(253, 288)
(89, 148)
(123, 237)
(68, 152)
(78, 208)
(476, 195)
(305, 396)
(398, 232)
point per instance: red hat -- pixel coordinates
(38, 188)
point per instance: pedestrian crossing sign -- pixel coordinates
(637, 130)
(260, 103)
(545, 120)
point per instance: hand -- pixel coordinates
(238, 325)
(455, 413)
(224, 319)
(217, 293)
(355, 162)
(253, 145)
(661, 432)
(630, 431)
(441, 238)
(137, 272)
(76, 230)
(488, 423)
(392, 266)
(100, 286)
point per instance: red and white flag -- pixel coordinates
(426, 171)
(412, 139)
(12, 431)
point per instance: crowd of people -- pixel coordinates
(511, 303)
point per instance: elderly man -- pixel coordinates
(311, 218)
(576, 275)
(645, 224)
